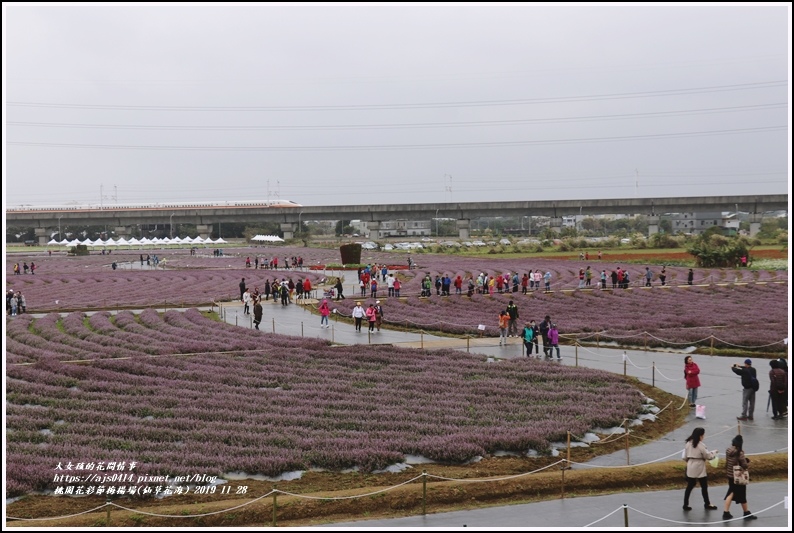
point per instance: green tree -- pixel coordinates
(714, 250)
(592, 225)
(662, 240)
(343, 227)
(770, 228)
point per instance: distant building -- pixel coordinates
(697, 223)
(396, 228)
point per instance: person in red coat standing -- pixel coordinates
(691, 372)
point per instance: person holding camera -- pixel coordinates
(749, 387)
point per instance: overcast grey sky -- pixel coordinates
(359, 104)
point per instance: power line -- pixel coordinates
(401, 146)
(550, 120)
(427, 105)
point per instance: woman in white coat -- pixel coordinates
(696, 455)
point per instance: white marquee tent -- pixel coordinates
(267, 238)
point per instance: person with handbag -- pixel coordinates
(736, 465)
(696, 454)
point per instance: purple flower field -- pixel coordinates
(181, 394)
(748, 316)
(741, 308)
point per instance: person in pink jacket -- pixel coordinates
(324, 312)
(691, 372)
(371, 316)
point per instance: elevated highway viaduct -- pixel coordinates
(45, 221)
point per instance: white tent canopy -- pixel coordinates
(267, 238)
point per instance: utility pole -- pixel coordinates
(448, 187)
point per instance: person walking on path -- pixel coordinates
(734, 456)
(530, 335)
(370, 312)
(358, 314)
(663, 275)
(690, 277)
(504, 318)
(257, 312)
(554, 341)
(544, 332)
(247, 302)
(535, 335)
(691, 373)
(339, 289)
(778, 390)
(242, 289)
(648, 276)
(325, 311)
(284, 291)
(373, 288)
(696, 454)
(378, 315)
(512, 312)
(749, 386)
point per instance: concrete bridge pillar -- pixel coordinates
(42, 235)
(464, 228)
(556, 225)
(755, 223)
(653, 225)
(122, 231)
(204, 230)
(288, 229)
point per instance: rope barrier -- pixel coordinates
(58, 517)
(305, 496)
(604, 517)
(652, 461)
(679, 343)
(191, 515)
(668, 378)
(781, 502)
(635, 366)
(463, 480)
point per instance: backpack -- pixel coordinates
(755, 383)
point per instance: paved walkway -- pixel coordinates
(654, 510)
(720, 393)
